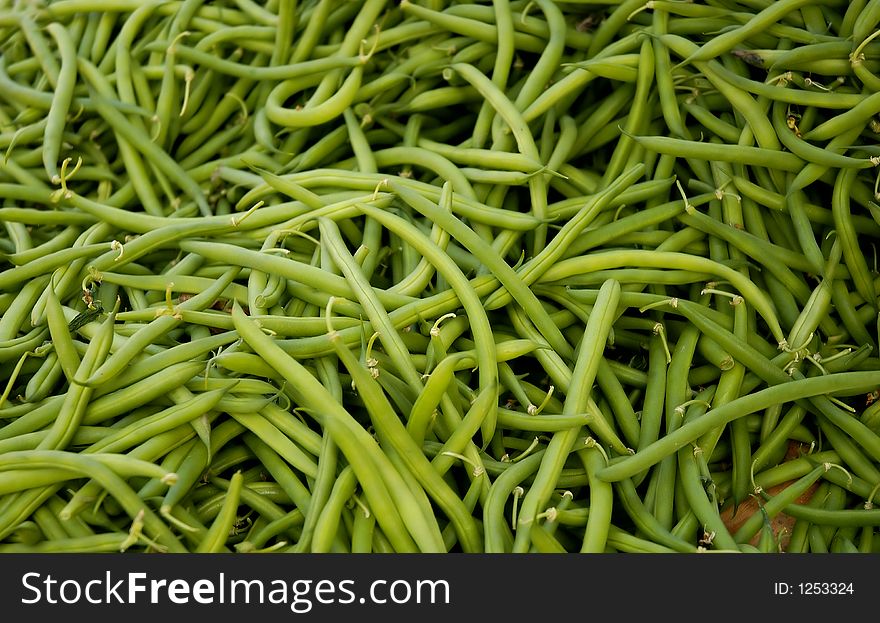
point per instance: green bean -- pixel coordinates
(816, 307)
(284, 526)
(281, 444)
(122, 56)
(820, 99)
(856, 328)
(61, 100)
(489, 258)
(473, 28)
(754, 156)
(870, 15)
(651, 420)
(351, 438)
(315, 115)
(545, 543)
(645, 521)
(663, 77)
(838, 124)
(138, 137)
(61, 338)
(153, 366)
(637, 118)
(40, 48)
(13, 318)
(111, 542)
(478, 157)
(591, 348)
(850, 454)
(282, 473)
(20, 237)
(696, 495)
(47, 263)
(327, 461)
(327, 524)
(171, 462)
(609, 259)
(730, 387)
(541, 423)
(181, 283)
(124, 355)
(838, 518)
(43, 381)
(362, 531)
(109, 480)
(779, 502)
(31, 97)
(52, 527)
(814, 170)
(508, 112)
(619, 67)
(601, 504)
(148, 451)
(375, 312)
(625, 542)
(78, 396)
(288, 268)
(677, 394)
(455, 183)
(403, 445)
(714, 353)
(545, 66)
(774, 375)
(523, 22)
(121, 465)
(807, 151)
(425, 406)
(537, 267)
(496, 533)
(624, 413)
(41, 217)
(803, 388)
(852, 256)
(111, 401)
(775, 201)
(218, 534)
(62, 240)
(721, 128)
(779, 259)
(167, 419)
(188, 473)
(481, 410)
(726, 41)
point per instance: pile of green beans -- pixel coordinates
(427, 276)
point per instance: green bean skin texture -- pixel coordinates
(508, 276)
(61, 101)
(349, 435)
(848, 382)
(216, 538)
(592, 346)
